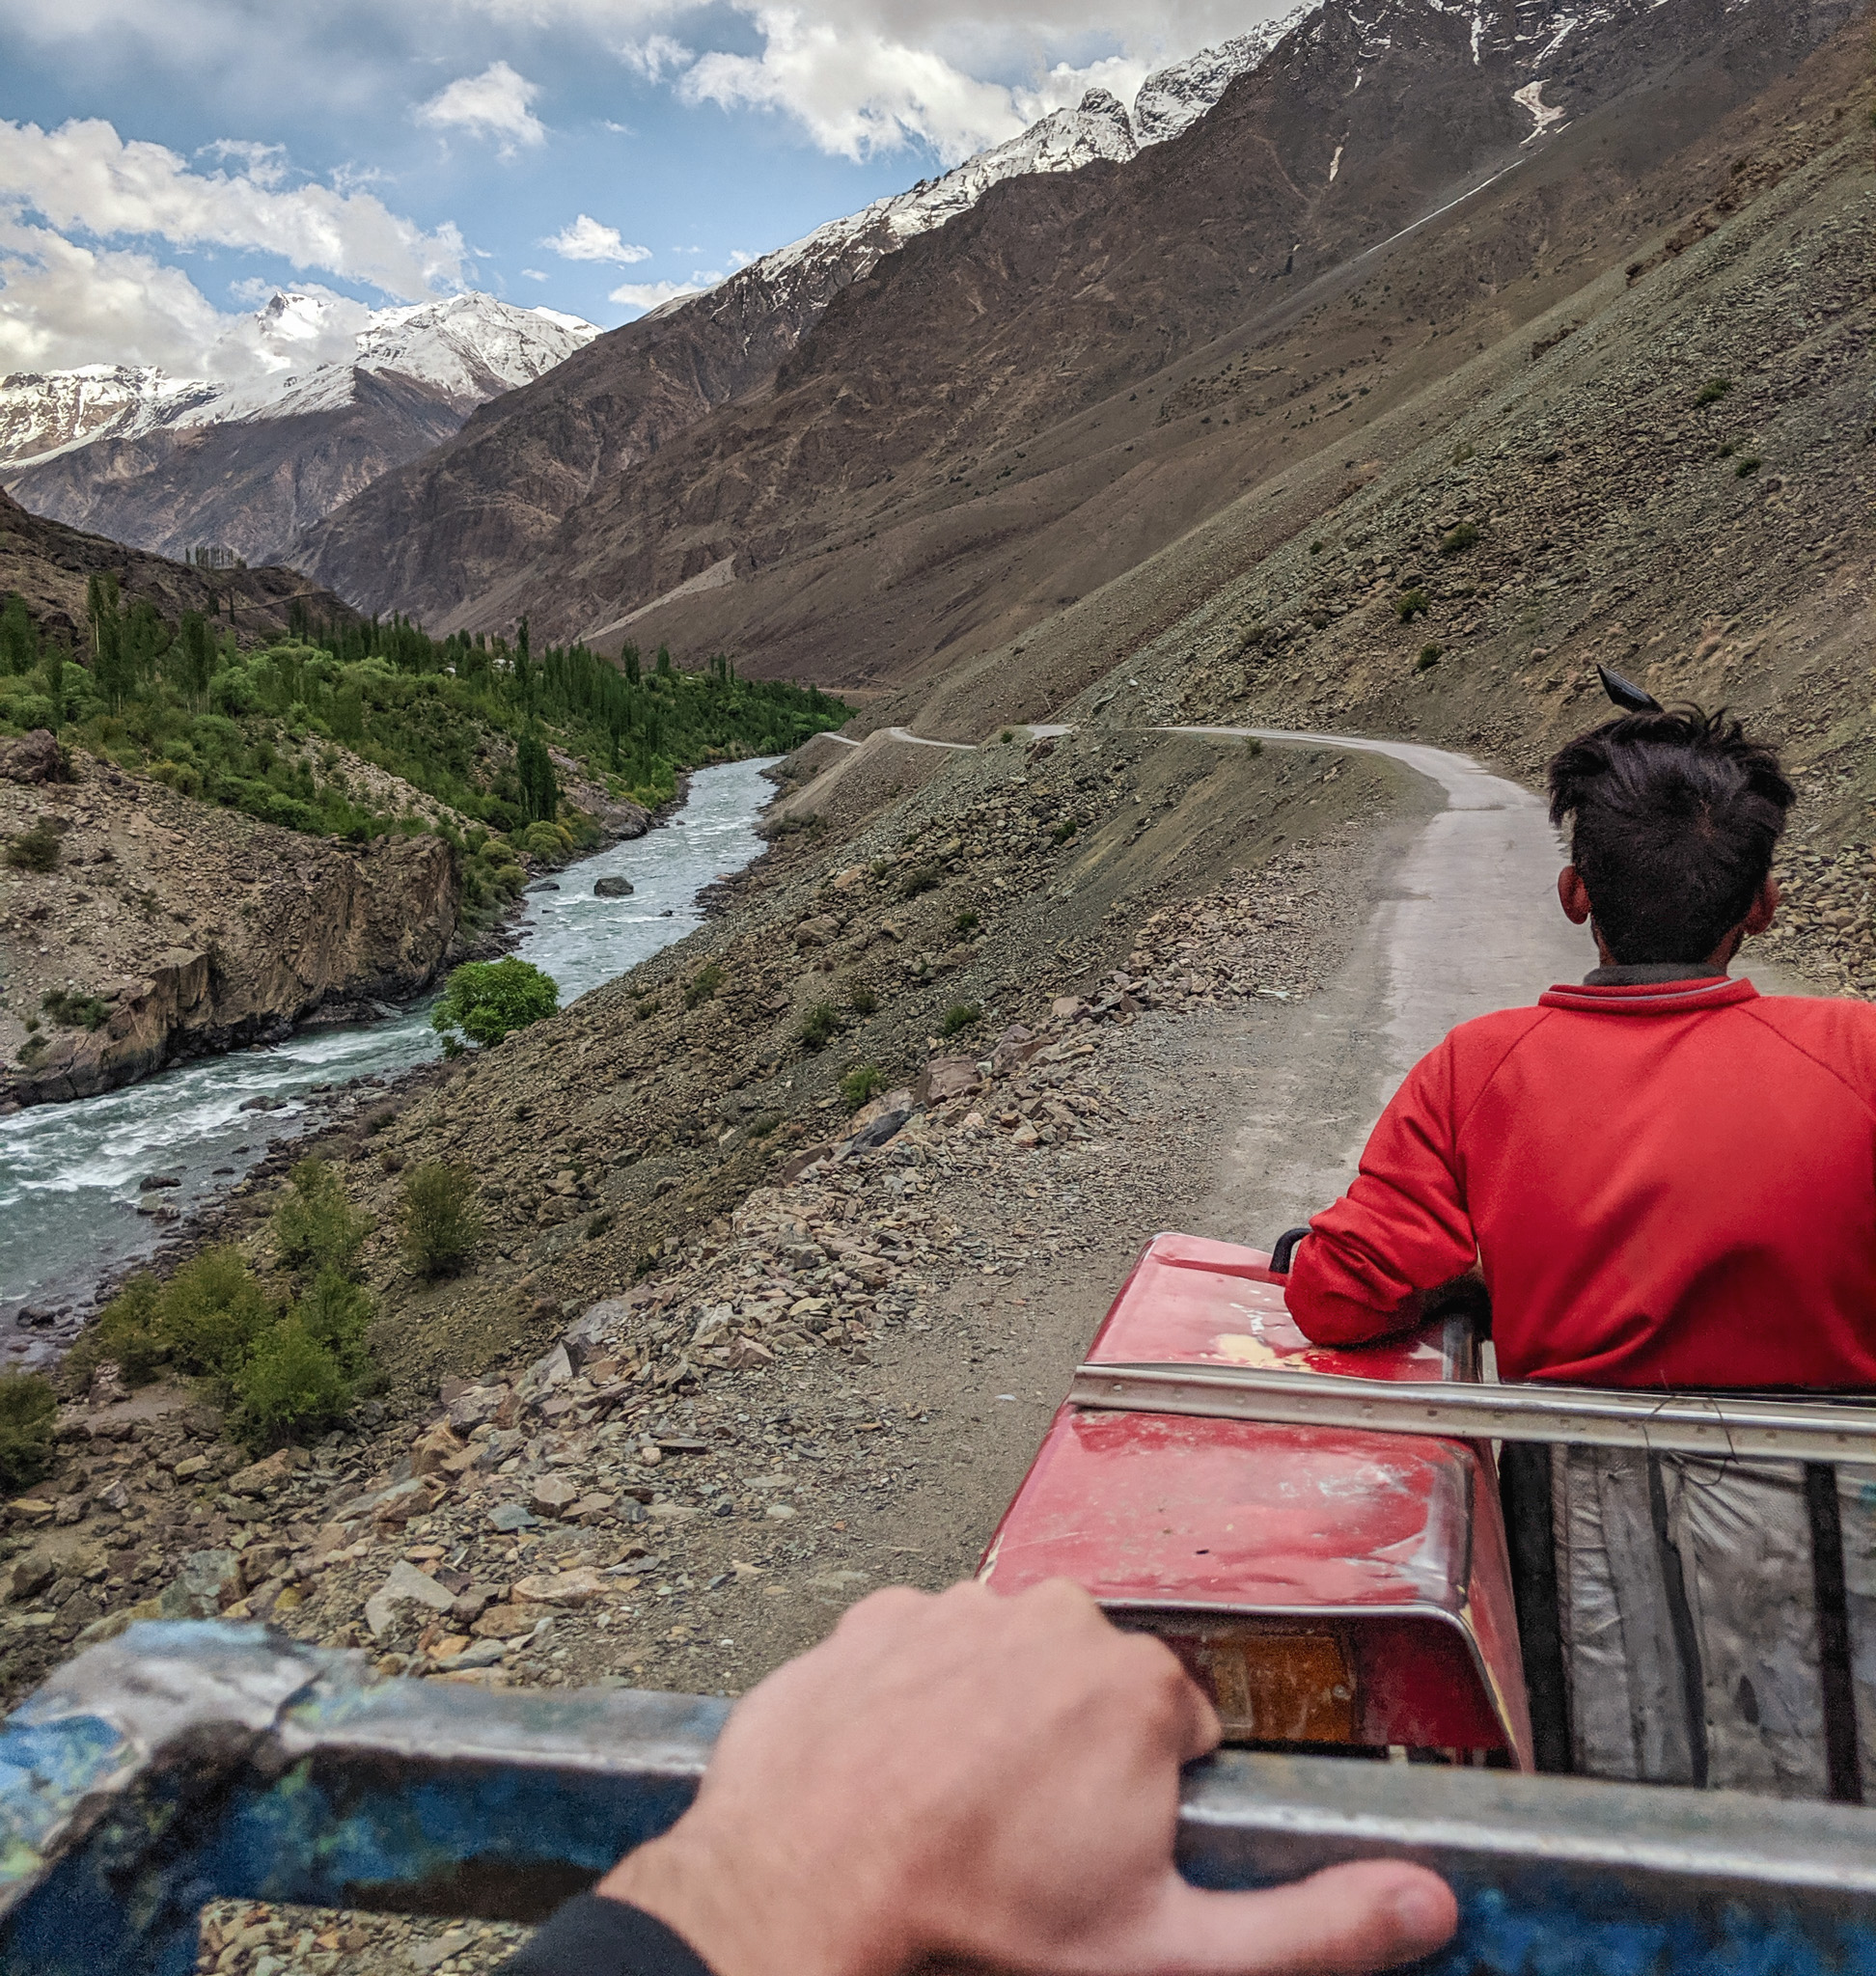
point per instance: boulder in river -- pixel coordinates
(612, 888)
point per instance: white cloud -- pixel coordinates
(84, 178)
(856, 91)
(496, 103)
(586, 239)
(656, 57)
(535, 274)
(62, 304)
(655, 295)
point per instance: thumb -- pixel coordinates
(1371, 1914)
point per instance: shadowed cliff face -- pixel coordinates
(197, 929)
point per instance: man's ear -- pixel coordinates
(1573, 896)
(1765, 902)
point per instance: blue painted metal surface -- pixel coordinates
(181, 1763)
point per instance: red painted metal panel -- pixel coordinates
(1392, 1542)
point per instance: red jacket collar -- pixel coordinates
(1652, 998)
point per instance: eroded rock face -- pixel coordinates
(33, 758)
(273, 925)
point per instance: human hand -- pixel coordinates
(994, 1779)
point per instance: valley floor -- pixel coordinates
(836, 1380)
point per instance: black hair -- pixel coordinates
(1675, 816)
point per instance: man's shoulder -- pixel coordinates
(1818, 1022)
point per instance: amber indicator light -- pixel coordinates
(1267, 1687)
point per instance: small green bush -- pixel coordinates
(490, 1000)
(1713, 391)
(921, 878)
(959, 1017)
(1750, 464)
(818, 1026)
(1457, 541)
(1007, 736)
(125, 1334)
(863, 998)
(967, 922)
(336, 1313)
(441, 1223)
(860, 1084)
(212, 1312)
(643, 1009)
(75, 1011)
(764, 1123)
(29, 1410)
(36, 849)
(314, 1225)
(703, 984)
(597, 1225)
(1412, 604)
(290, 1384)
(1253, 747)
(1430, 655)
(1065, 830)
(1727, 449)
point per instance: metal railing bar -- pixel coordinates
(1682, 1423)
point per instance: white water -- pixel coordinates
(69, 1173)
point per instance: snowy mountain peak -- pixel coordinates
(1174, 99)
(301, 353)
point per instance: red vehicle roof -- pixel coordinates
(1156, 1513)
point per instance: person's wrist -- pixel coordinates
(744, 1921)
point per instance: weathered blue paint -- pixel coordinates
(182, 1764)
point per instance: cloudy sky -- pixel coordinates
(166, 164)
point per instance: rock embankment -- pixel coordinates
(163, 928)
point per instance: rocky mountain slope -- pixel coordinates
(49, 566)
(177, 929)
(643, 384)
(331, 394)
(985, 426)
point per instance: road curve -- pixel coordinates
(1463, 919)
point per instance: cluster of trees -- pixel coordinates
(472, 722)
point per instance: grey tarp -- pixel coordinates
(1685, 1590)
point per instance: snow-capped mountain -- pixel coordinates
(1172, 99)
(304, 352)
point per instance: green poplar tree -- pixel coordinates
(19, 643)
(533, 769)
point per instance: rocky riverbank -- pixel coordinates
(162, 928)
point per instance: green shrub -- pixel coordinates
(646, 1009)
(958, 1018)
(490, 1000)
(703, 984)
(212, 1312)
(1457, 541)
(441, 1223)
(124, 1334)
(860, 1084)
(36, 849)
(291, 1383)
(818, 1026)
(1253, 747)
(336, 1313)
(921, 878)
(764, 1123)
(1713, 391)
(75, 1011)
(967, 922)
(314, 1225)
(1749, 466)
(1412, 604)
(1727, 449)
(1007, 736)
(597, 1225)
(1430, 655)
(29, 1410)
(1065, 830)
(863, 998)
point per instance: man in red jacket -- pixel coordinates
(1666, 1178)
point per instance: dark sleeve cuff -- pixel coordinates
(596, 1936)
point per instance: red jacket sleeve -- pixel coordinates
(1401, 1227)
